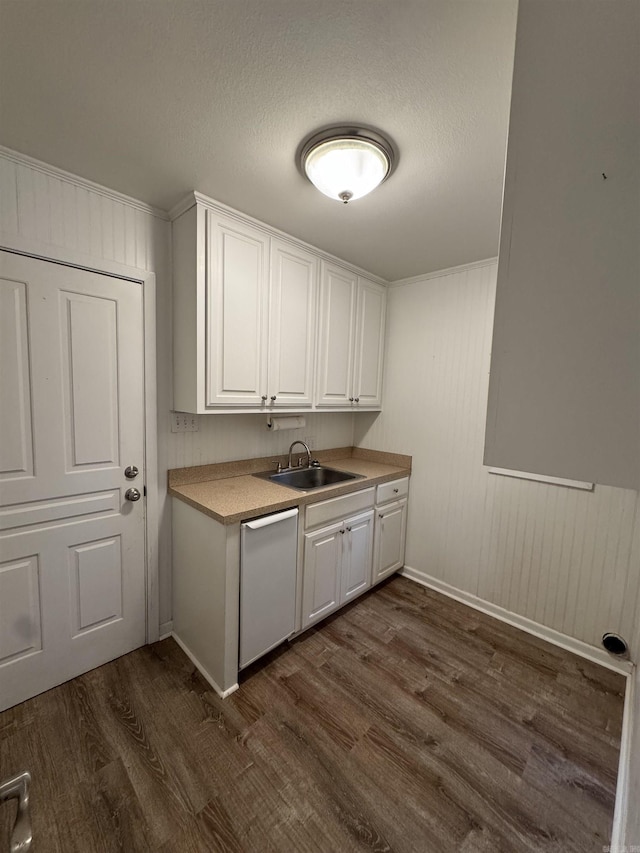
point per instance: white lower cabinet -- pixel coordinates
(357, 551)
(322, 570)
(391, 528)
(337, 563)
(349, 545)
(390, 535)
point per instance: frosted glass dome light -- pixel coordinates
(346, 163)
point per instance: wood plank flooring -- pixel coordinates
(406, 722)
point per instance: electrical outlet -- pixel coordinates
(184, 422)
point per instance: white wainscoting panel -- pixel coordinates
(565, 558)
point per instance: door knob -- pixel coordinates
(132, 495)
(131, 472)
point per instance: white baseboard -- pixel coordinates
(166, 629)
(570, 644)
(207, 676)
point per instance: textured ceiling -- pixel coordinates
(158, 97)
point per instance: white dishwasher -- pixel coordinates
(268, 569)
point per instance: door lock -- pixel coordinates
(131, 472)
(132, 495)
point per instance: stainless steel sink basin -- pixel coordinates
(305, 479)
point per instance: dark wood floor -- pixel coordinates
(407, 722)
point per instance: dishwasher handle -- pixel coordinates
(270, 519)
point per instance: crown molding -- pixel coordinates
(416, 279)
(83, 183)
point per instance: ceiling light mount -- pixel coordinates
(346, 162)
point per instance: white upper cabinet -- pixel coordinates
(351, 340)
(336, 336)
(237, 313)
(292, 325)
(250, 331)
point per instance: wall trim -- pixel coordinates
(84, 183)
(416, 279)
(619, 841)
(206, 675)
(557, 638)
(166, 629)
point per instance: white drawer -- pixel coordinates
(336, 508)
(393, 490)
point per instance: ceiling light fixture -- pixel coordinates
(346, 162)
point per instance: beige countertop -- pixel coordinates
(229, 493)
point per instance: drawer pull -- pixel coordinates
(395, 491)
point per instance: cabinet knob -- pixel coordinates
(264, 398)
(351, 399)
(380, 515)
(395, 491)
(357, 399)
(342, 532)
(273, 399)
(349, 529)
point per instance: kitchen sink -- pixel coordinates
(305, 479)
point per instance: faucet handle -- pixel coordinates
(278, 465)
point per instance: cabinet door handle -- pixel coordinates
(342, 532)
(351, 399)
(380, 515)
(395, 491)
(264, 398)
(349, 529)
(357, 399)
(273, 399)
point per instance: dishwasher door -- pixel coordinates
(268, 570)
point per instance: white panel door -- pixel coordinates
(322, 565)
(336, 341)
(72, 559)
(292, 324)
(372, 301)
(237, 321)
(390, 537)
(357, 555)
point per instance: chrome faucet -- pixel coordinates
(306, 447)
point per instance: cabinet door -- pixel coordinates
(321, 573)
(338, 289)
(292, 322)
(237, 289)
(371, 309)
(390, 536)
(357, 552)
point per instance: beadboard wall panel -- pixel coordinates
(223, 438)
(568, 559)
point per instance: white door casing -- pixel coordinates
(72, 548)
